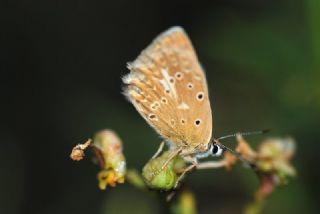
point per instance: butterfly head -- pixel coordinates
(214, 149)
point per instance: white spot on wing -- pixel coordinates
(197, 77)
(183, 106)
(165, 82)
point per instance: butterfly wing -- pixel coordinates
(168, 88)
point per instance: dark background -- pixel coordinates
(61, 64)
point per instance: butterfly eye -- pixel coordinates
(216, 150)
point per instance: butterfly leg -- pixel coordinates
(204, 165)
(211, 164)
(186, 170)
(160, 149)
(173, 155)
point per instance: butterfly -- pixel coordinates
(168, 87)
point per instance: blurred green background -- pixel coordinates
(61, 64)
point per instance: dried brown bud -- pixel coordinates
(230, 160)
(77, 152)
(244, 149)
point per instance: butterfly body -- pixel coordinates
(167, 86)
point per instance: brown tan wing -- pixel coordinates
(168, 88)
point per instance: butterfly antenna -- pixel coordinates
(243, 134)
(225, 148)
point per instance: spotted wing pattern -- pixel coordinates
(167, 86)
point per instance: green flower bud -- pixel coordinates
(157, 177)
